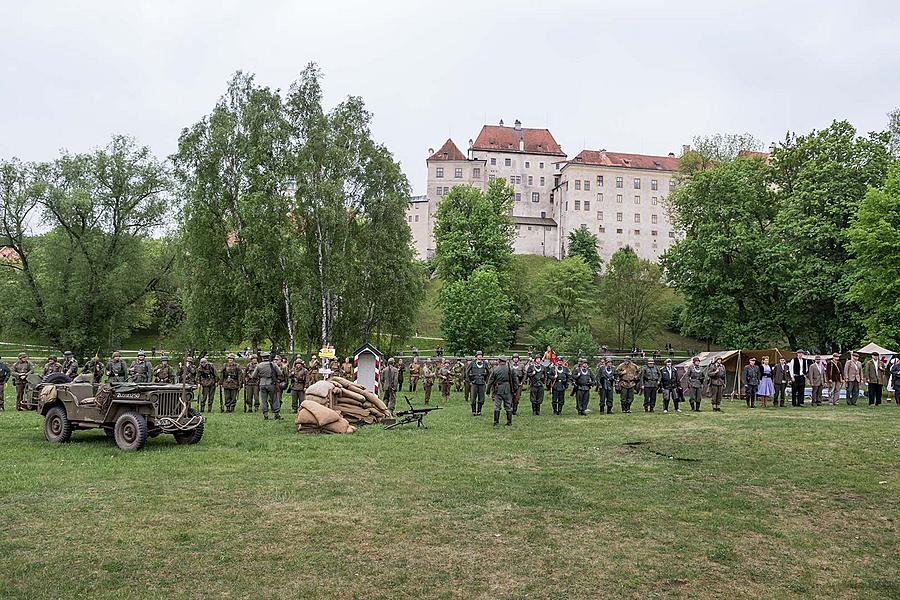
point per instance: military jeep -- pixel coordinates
(128, 413)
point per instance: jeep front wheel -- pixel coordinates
(57, 427)
(130, 431)
(194, 435)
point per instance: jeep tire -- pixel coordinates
(194, 435)
(130, 431)
(57, 427)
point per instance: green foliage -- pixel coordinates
(875, 270)
(583, 243)
(894, 131)
(91, 278)
(707, 152)
(567, 289)
(633, 296)
(475, 312)
(548, 336)
(578, 342)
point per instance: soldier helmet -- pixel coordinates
(718, 359)
(141, 352)
(479, 353)
(836, 355)
(298, 361)
(22, 355)
(265, 354)
(231, 356)
(696, 359)
(52, 357)
(501, 359)
(116, 354)
(516, 355)
(188, 359)
(650, 361)
(582, 360)
(164, 358)
(391, 360)
(67, 353)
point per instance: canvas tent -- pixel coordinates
(735, 361)
(873, 347)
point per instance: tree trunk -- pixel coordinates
(286, 292)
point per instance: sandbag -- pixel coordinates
(341, 381)
(339, 426)
(324, 415)
(359, 389)
(304, 417)
(318, 399)
(320, 388)
(351, 394)
(377, 402)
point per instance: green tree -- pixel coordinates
(583, 243)
(578, 342)
(88, 280)
(707, 152)
(633, 296)
(894, 131)
(875, 270)
(566, 288)
(474, 312)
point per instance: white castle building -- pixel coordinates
(620, 197)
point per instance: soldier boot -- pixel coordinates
(496, 418)
(480, 404)
(509, 416)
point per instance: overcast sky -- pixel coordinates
(627, 76)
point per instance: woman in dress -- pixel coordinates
(766, 384)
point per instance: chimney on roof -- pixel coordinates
(430, 151)
(685, 148)
(501, 122)
(672, 154)
(518, 125)
(471, 142)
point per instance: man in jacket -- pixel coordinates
(751, 382)
(519, 371)
(298, 384)
(269, 376)
(876, 375)
(798, 375)
(650, 380)
(116, 371)
(834, 378)
(414, 373)
(536, 375)
(816, 375)
(853, 378)
(715, 378)
(695, 375)
(559, 377)
(163, 373)
(21, 370)
(251, 386)
(503, 385)
(388, 383)
(606, 385)
(627, 378)
(427, 380)
(582, 382)
(781, 377)
(668, 381)
(207, 376)
(477, 374)
(141, 369)
(232, 379)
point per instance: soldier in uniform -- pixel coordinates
(346, 369)
(268, 375)
(536, 377)
(606, 384)
(187, 373)
(284, 379)
(477, 374)
(21, 370)
(141, 370)
(4, 377)
(458, 374)
(668, 381)
(751, 382)
(503, 384)
(582, 382)
(232, 379)
(388, 382)
(627, 376)
(52, 366)
(559, 377)
(427, 380)
(251, 386)
(207, 376)
(70, 365)
(414, 372)
(650, 379)
(401, 369)
(518, 370)
(116, 371)
(445, 379)
(467, 385)
(163, 373)
(715, 377)
(695, 377)
(313, 374)
(298, 384)
(95, 368)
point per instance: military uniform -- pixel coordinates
(313, 374)
(582, 382)
(519, 371)
(251, 387)
(695, 377)
(627, 376)
(21, 370)
(427, 381)
(116, 371)
(4, 377)
(670, 386)
(346, 370)
(401, 369)
(536, 377)
(414, 370)
(650, 378)
(559, 377)
(187, 374)
(467, 385)
(298, 386)
(70, 366)
(458, 375)
(445, 378)
(477, 374)
(207, 376)
(388, 382)
(52, 367)
(751, 383)
(163, 373)
(232, 378)
(285, 380)
(268, 374)
(503, 384)
(606, 385)
(141, 370)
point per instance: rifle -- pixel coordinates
(414, 414)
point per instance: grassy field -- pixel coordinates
(777, 503)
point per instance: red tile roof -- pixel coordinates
(448, 151)
(754, 154)
(8, 254)
(506, 139)
(628, 161)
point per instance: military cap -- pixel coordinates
(582, 360)
(836, 355)
(52, 357)
(230, 355)
(22, 355)
(67, 353)
(141, 352)
(696, 359)
(516, 355)
(650, 360)
(203, 361)
(188, 359)
(391, 360)
(265, 354)
(298, 361)
(164, 358)
(479, 353)
(501, 358)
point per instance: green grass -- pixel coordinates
(786, 503)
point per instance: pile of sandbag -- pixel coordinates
(354, 402)
(313, 417)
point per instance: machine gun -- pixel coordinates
(413, 415)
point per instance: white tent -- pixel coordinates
(873, 347)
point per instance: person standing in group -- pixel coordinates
(467, 385)
(781, 377)
(477, 374)
(427, 380)
(52, 367)
(895, 379)
(141, 370)
(716, 378)
(798, 379)
(21, 370)
(875, 379)
(816, 375)
(268, 374)
(834, 378)
(536, 377)
(650, 379)
(853, 378)
(503, 383)
(415, 370)
(312, 371)
(695, 377)
(751, 382)
(445, 379)
(298, 384)
(232, 379)
(187, 374)
(284, 380)
(346, 369)
(766, 383)
(388, 384)
(401, 370)
(163, 373)
(116, 371)
(559, 376)
(251, 386)
(207, 377)
(459, 373)
(519, 371)
(627, 376)
(582, 382)
(70, 365)
(606, 385)
(668, 381)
